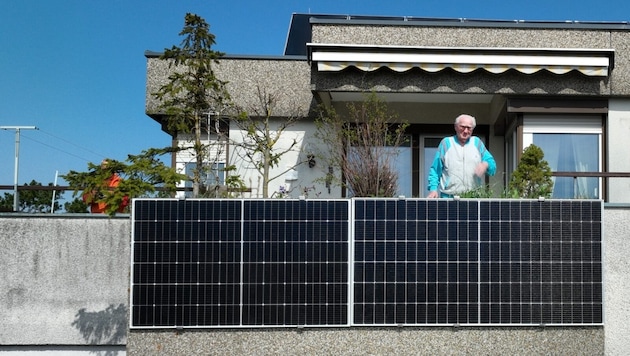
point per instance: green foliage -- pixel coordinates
(192, 90)
(140, 176)
(76, 206)
(32, 201)
(362, 146)
(532, 177)
(233, 182)
(478, 193)
(232, 188)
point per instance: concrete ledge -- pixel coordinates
(372, 341)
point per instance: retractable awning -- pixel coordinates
(590, 62)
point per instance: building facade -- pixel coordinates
(560, 85)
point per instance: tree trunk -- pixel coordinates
(198, 158)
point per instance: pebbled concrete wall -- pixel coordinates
(64, 281)
(616, 282)
(288, 80)
(64, 288)
(608, 340)
(372, 341)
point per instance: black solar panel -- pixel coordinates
(205, 263)
(433, 262)
(415, 262)
(295, 267)
(186, 262)
(540, 263)
(255, 263)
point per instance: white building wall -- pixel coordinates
(293, 173)
(618, 133)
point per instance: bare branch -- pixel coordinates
(363, 146)
(262, 131)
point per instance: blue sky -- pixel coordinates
(76, 68)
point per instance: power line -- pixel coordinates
(60, 150)
(72, 143)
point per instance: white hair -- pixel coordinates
(463, 116)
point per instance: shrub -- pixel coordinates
(532, 177)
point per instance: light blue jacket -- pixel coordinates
(453, 168)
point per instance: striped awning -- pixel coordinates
(588, 62)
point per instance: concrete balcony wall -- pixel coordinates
(64, 283)
(64, 286)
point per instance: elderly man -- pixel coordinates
(461, 162)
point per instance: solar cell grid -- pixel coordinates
(249, 263)
(550, 262)
(182, 267)
(415, 263)
(295, 269)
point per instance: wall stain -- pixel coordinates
(15, 297)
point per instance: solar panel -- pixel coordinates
(364, 261)
(415, 262)
(541, 263)
(186, 263)
(469, 262)
(209, 263)
(295, 267)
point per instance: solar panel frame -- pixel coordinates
(213, 288)
(365, 262)
(428, 289)
(524, 264)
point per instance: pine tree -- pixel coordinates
(532, 177)
(192, 90)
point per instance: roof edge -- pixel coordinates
(154, 54)
(463, 22)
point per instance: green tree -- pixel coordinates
(532, 177)
(193, 91)
(142, 175)
(77, 205)
(363, 146)
(32, 200)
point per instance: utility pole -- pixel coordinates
(16, 198)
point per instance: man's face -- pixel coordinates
(464, 129)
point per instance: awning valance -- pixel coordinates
(528, 61)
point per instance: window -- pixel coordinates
(399, 159)
(402, 164)
(429, 148)
(570, 144)
(215, 175)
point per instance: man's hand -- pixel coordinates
(481, 169)
(432, 194)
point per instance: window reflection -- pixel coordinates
(571, 152)
(402, 162)
(398, 158)
(215, 175)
